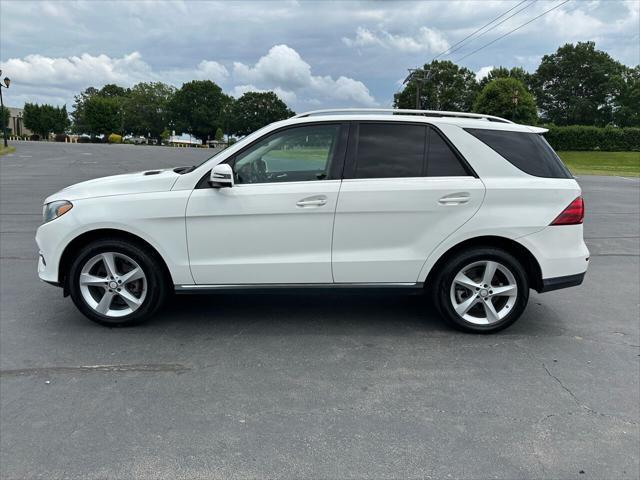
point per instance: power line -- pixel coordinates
(495, 26)
(452, 48)
(511, 31)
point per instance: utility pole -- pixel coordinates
(514, 99)
(420, 76)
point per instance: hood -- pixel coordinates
(139, 182)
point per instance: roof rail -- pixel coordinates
(426, 113)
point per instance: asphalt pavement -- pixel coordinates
(313, 386)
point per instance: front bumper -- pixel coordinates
(52, 238)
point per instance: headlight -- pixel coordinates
(53, 210)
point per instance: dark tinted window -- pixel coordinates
(529, 152)
(390, 150)
(441, 161)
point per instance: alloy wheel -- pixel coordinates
(113, 284)
(484, 292)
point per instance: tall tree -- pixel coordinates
(197, 108)
(626, 105)
(45, 119)
(507, 97)
(577, 85)
(254, 110)
(449, 87)
(117, 94)
(102, 115)
(503, 72)
(146, 109)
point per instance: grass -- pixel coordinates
(624, 164)
(4, 151)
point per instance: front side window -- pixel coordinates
(297, 154)
(529, 152)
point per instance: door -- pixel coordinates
(405, 190)
(275, 224)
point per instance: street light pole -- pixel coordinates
(7, 81)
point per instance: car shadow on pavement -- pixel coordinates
(329, 314)
(337, 312)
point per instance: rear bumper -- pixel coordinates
(550, 284)
(559, 250)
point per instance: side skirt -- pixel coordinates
(306, 288)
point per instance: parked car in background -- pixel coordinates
(471, 209)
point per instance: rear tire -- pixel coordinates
(116, 283)
(481, 290)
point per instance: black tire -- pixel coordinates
(443, 281)
(156, 282)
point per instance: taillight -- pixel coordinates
(572, 215)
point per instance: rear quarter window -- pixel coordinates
(529, 152)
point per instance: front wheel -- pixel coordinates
(116, 283)
(482, 290)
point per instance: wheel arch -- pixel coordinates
(100, 234)
(519, 251)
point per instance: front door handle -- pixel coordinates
(315, 201)
(457, 198)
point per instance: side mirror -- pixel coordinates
(221, 176)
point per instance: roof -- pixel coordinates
(461, 119)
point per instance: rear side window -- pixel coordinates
(390, 150)
(529, 152)
(441, 161)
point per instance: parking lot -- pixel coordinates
(307, 385)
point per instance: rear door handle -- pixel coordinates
(457, 198)
(315, 201)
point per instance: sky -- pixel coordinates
(312, 54)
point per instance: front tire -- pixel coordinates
(116, 283)
(481, 290)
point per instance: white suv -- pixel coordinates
(473, 209)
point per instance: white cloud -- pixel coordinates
(211, 70)
(78, 71)
(283, 68)
(284, 95)
(425, 40)
(483, 72)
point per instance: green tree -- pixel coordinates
(507, 97)
(117, 94)
(62, 120)
(626, 105)
(578, 85)
(254, 110)
(146, 109)
(102, 115)
(197, 108)
(448, 87)
(219, 135)
(503, 72)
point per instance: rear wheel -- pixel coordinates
(482, 290)
(116, 283)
